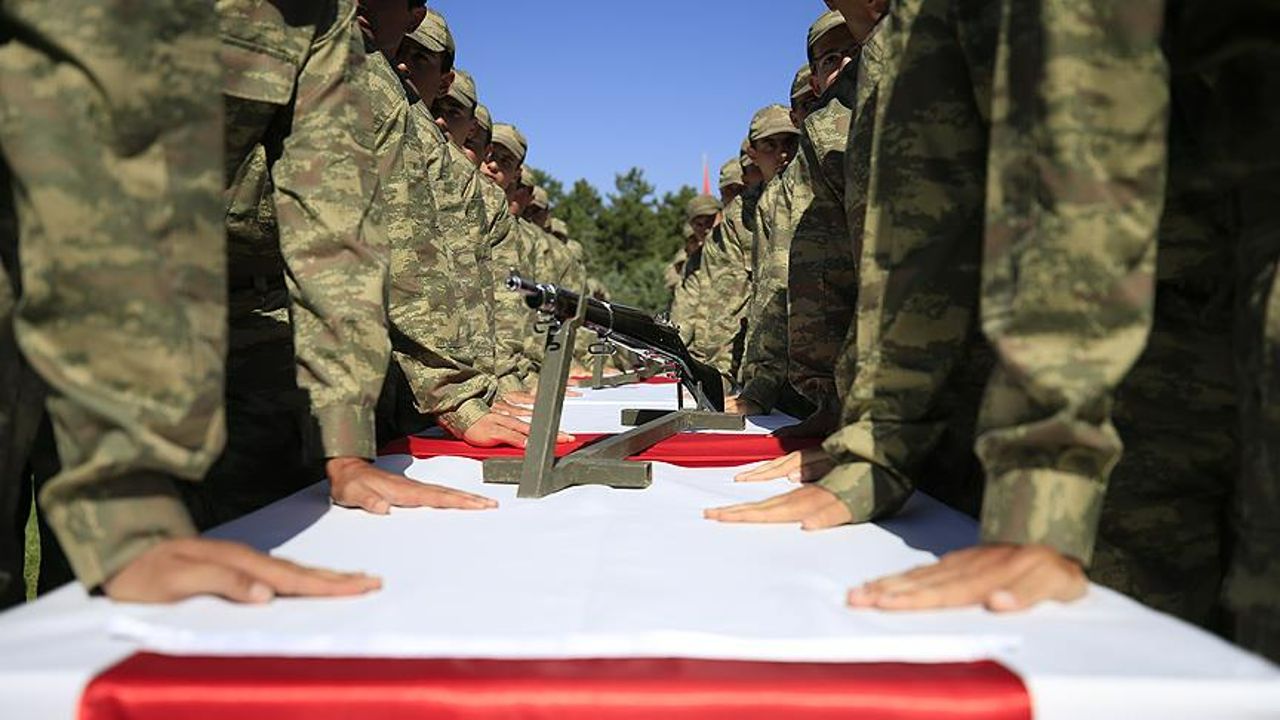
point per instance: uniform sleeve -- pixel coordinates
(336, 257)
(1077, 174)
(725, 293)
(764, 365)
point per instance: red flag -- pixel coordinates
(706, 176)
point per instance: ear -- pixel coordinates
(419, 14)
(446, 82)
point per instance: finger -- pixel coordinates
(360, 495)
(416, 494)
(788, 508)
(285, 577)
(968, 588)
(197, 577)
(772, 470)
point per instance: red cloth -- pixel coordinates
(686, 450)
(155, 687)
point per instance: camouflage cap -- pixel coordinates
(484, 119)
(433, 34)
(744, 158)
(829, 21)
(731, 173)
(541, 200)
(509, 137)
(463, 89)
(771, 120)
(526, 179)
(559, 228)
(702, 205)
(800, 85)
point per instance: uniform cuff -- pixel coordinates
(103, 528)
(869, 493)
(1043, 507)
(459, 421)
(347, 431)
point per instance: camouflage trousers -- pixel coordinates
(113, 254)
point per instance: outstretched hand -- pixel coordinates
(497, 429)
(741, 406)
(798, 467)
(178, 569)
(356, 483)
(812, 506)
(1002, 578)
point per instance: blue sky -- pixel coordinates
(600, 86)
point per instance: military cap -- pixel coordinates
(829, 21)
(433, 34)
(771, 120)
(559, 228)
(526, 179)
(731, 173)
(484, 119)
(541, 200)
(510, 138)
(463, 89)
(744, 158)
(800, 85)
(702, 205)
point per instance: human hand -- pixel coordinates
(511, 409)
(1002, 578)
(798, 467)
(497, 429)
(813, 506)
(740, 406)
(178, 569)
(357, 483)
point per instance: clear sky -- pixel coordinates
(600, 86)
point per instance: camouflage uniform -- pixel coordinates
(764, 364)
(726, 290)
(306, 262)
(113, 288)
(920, 361)
(822, 271)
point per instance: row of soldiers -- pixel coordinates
(988, 243)
(245, 243)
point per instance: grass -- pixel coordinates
(32, 565)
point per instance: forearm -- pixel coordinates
(1075, 204)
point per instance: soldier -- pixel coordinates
(477, 146)
(1045, 439)
(113, 293)
(443, 346)
(455, 112)
(921, 363)
(774, 144)
(689, 310)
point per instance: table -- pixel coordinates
(1105, 657)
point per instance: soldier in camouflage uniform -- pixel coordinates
(689, 310)
(920, 360)
(113, 292)
(727, 282)
(774, 145)
(444, 371)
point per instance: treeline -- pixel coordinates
(629, 234)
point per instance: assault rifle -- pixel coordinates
(604, 463)
(632, 329)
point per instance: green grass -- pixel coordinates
(32, 566)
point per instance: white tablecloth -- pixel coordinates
(598, 572)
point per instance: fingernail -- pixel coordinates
(261, 593)
(1003, 599)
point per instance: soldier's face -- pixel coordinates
(456, 120)
(831, 53)
(501, 166)
(772, 154)
(862, 14)
(751, 176)
(519, 198)
(729, 193)
(702, 226)
(425, 70)
(386, 22)
(801, 107)
(538, 216)
(476, 147)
